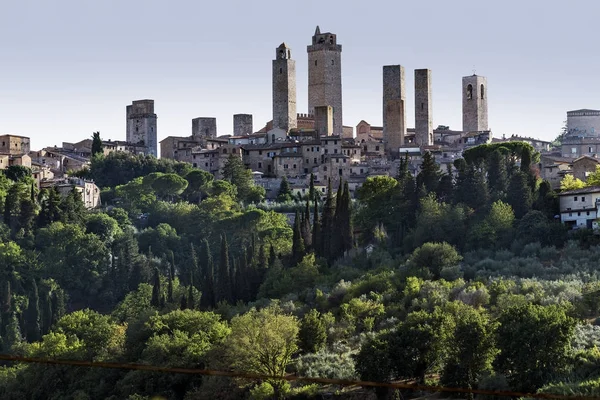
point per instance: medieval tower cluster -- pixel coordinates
(325, 96)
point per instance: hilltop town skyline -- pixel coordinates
(73, 80)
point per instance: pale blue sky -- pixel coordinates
(69, 67)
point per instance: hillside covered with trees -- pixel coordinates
(462, 280)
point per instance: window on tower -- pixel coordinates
(315, 63)
(281, 70)
(469, 92)
(482, 92)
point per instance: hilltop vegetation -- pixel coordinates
(435, 279)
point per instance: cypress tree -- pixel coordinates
(497, 175)
(208, 282)
(223, 284)
(32, 315)
(297, 241)
(194, 270)
(311, 188)
(170, 287)
(233, 267)
(262, 258)
(429, 176)
(183, 305)
(519, 194)
(316, 232)
(272, 256)
(46, 311)
(97, 147)
(190, 299)
(306, 230)
(58, 305)
(172, 264)
(242, 277)
(155, 302)
(345, 226)
(13, 334)
(327, 221)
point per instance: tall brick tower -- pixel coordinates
(325, 76)
(423, 113)
(284, 89)
(141, 125)
(475, 106)
(242, 124)
(204, 128)
(394, 115)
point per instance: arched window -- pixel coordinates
(482, 92)
(469, 92)
(224, 151)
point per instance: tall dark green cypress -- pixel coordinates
(223, 284)
(59, 308)
(297, 241)
(497, 175)
(327, 221)
(32, 314)
(208, 282)
(263, 262)
(190, 298)
(170, 287)
(272, 256)
(46, 305)
(345, 226)
(233, 267)
(430, 173)
(519, 194)
(155, 301)
(311, 188)
(306, 229)
(194, 272)
(316, 232)
(183, 304)
(242, 278)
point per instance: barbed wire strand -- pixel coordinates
(253, 376)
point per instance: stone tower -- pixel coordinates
(204, 128)
(475, 106)
(324, 120)
(423, 113)
(394, 116)
(325, 76)
(284, 89)
(242, 124)
(141, 125)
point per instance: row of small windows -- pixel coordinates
(578, 213)
(470, 92)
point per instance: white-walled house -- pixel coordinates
(579, 207)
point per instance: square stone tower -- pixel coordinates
(475, 105)
(423, 112)
(284, 89)
(141, 125)
(204, 128)
(242, 124)
(324, 120)
(325, 76)
(394, 115)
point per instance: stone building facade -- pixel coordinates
(324, 120)
(475, 104)
(284, 89)
(14, 144)
(394, 116)
(325, 76)
(423, 108)
(141, 125)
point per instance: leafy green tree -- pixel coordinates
(419, 344)
(17, 173)
(199, 183)
(97, 147)
(569, 182)
(313, 332)
(497, 175)
(471, 350)
(545, 332)
(433, 258)
(50, 207)
(168, 186)
(263, 342)
(285, 192)
(373, 362)
(235, 172)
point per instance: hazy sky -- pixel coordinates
(69, 67)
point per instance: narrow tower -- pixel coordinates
(325, 76)
(204, 128)
(141, 125)
(475, 106)
(423, 113)
(284, 89)
(394, 116)
(242, 124)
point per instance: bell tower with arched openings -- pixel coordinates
(475, 105)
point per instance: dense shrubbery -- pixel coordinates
(436, 278)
